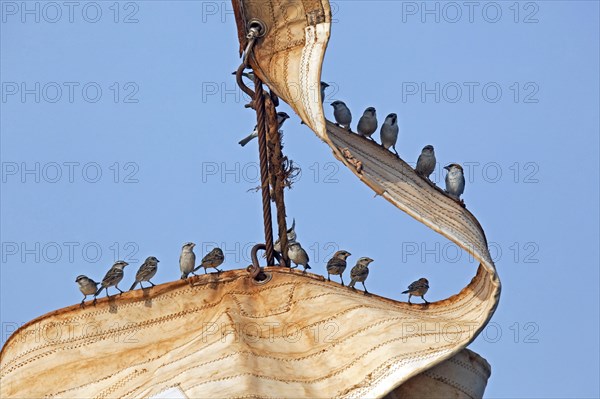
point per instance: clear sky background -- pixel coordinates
(142, 156)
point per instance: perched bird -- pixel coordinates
(291, 236)
(87, 286)
(341, 113)
(146, 271)
(360, 272)
(324, 85)
(417, 288)
(281, 117)
(112, 278)
(298, 255)
(426, 162)
(389, 132)
(455, 180)
(187, 260)
(213, 259)
(249, 74)
(337, 264)
(367, 124)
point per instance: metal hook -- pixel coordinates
(256, 273)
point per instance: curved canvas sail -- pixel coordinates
(226, 336)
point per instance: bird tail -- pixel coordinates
(99, 290)
(197, 268)
(184, 276)
(352, 282)
(406, 292)
(133, 286)
(246, 140)
(307, 267)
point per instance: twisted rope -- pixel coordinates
(259, 104)
(277, 176)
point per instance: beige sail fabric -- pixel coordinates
(226, 336)
(464, 375)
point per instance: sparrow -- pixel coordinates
(146, 271)
(213, 259)
(291, 236)
(87, 286)
(187, 260)
(360, 272)
(417, 288)
(249, 74)
(367, 124)
(389, 132)
(112, 278)
(426, 162)
(337, 264)
(341, 113)
(281, 117)
(324, 85)
(298, 255)
(455, 180)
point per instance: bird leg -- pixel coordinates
(82, 301)
(154, 285)
(328, 279)
(409, 296)
(425, 299)
(218, 271)
(342, 280)
(120, 292)
(141, 285)
(396, 152)
(365, 287)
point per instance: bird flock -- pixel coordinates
(367, 125)
(215, 258)
(388, 133)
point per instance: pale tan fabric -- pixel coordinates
(462, 376)
(224, 336)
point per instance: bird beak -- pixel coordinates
(447, 167)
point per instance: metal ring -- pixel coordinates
(259, 25)
(262, 278)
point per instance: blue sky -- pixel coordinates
(119, 129)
